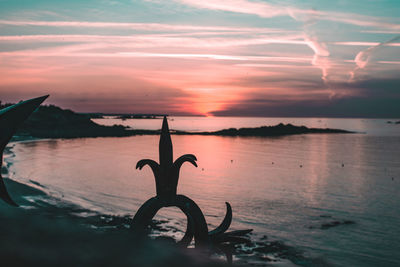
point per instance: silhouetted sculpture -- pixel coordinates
(10, 118)
(166, 175)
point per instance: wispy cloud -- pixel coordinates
(321, 56)
(156, 40)
(65, 52)
(363, 58)
(267, 10)
(364, 43)
(239, 6)
(135, 26)
(389, 62)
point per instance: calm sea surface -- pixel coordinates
(284, 187)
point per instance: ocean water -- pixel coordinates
(291, 188)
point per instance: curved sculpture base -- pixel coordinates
(196, 223)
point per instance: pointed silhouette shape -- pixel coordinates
(10, 118)
(166, 173)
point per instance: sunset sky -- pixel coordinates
(232, 57)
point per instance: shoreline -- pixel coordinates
(50, 214)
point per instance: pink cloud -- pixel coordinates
(363, 58)
(135, 26)
(156, 40)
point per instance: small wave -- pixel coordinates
(38, 184)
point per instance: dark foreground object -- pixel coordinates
(10, 118)
(166, 175)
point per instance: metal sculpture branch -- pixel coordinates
(10, 118)
(166, 174)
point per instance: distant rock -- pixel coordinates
(277, 130)
(331, 224)
(123, 116)
(138, 116)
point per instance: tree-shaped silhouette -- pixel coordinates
(167, 175)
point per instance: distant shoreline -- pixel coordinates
(263, 131)
(100, 115)
(54, 122)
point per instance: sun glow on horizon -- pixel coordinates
(209, 100)
(184, 62)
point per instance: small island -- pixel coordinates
(54, 122)
(277, 130)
